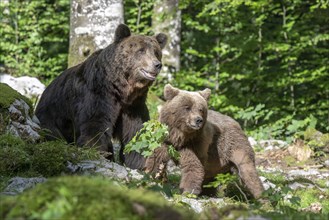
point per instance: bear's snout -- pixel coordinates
(198, 121)
(157, 65)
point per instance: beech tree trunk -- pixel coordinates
(167, 19)
(92, 26)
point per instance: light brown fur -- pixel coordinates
(208, 142)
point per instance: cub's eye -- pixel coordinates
(201, 110)
(187, 108)
(141, 51)
(157, 54)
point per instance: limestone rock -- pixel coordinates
(16, 115)
(105, 168)
(25, 85)
(19, 184)
(300, 151)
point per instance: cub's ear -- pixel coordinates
(170, 92)
(162, 39)
(205, 94)
(121, 32)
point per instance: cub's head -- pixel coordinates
(140, 56)
(184, 110)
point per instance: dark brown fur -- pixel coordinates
(104, 97)
(208, 142)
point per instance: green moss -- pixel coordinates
(89, 198)
(309, 196)
(290, 160)
(50, 158)
(228, 212)
(288, 213)
(8, 96)
(47, 158)
(13, 157)
(277, 178)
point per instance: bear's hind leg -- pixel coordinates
(192, 172)
(247, 172)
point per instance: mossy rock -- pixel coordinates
(8, 96)
(89, 198)
(45, 158)
(228, 212)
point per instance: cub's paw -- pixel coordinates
(156, 169)
(188, 190)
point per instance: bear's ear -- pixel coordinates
(170, 92)
(205, 94)
(121, 32)
(162, 39)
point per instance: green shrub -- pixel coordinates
(148, 138)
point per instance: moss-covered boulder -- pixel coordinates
(18, 157)
(89, 198)
(16, 115)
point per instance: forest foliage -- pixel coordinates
(266, 62)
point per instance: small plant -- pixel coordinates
(148, 138)
(222, 179)
(278, 197)
(174, 154)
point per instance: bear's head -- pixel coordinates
(139, 55)
(184, 110)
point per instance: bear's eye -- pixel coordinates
(187, 108)
(201, 110)
(157, 54)
(141, 50)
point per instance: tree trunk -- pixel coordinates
(167, 19)
(92, 27)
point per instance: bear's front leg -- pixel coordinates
(92, 135)
(192, 172)
(129, 124)
(156, 164)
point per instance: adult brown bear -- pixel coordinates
(208, 143)
(104, 97)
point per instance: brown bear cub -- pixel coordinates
(104, 96)
(208, 143)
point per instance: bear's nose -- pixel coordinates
(198, 121)
(158, 65)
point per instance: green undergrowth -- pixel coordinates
(18, 157)
(77, 197)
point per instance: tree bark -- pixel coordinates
(167, 19)
(92, 27)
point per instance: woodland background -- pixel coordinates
(266, 62)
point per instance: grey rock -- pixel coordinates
(105, 168)
(296, 185)
(311, 172)
(326, 163)
(272, 144)
(266, 183)
(19, 184)
(253, 217)
(252, 141)
(21, 123)
(198, 205)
